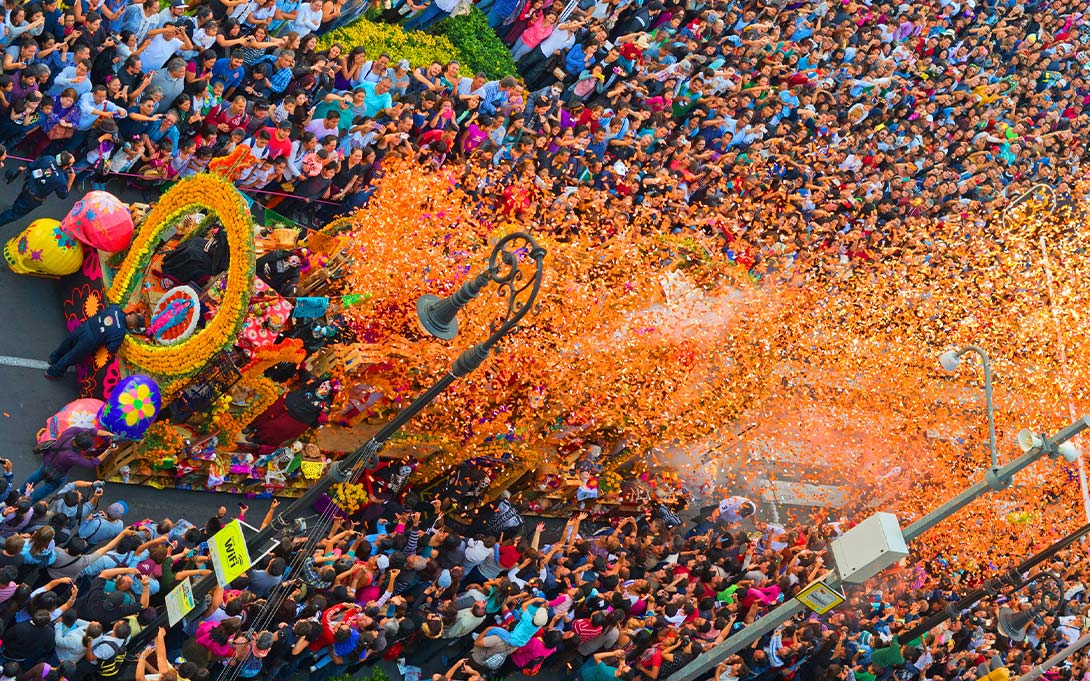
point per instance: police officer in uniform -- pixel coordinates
(107, 328)
(44, 176)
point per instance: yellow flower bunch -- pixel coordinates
(418, 47)
(205, 193)
(350, 496)
(609, 481)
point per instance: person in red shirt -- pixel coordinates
(228, 118)
(279, 140)
(439, 140)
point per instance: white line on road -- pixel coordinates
(26, 363)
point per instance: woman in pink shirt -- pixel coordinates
(529, 657)
(217, 637)
(534, 34)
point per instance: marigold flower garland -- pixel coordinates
(209, 193)
(162, 441)
(265, 391)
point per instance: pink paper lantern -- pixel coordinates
(100, 220)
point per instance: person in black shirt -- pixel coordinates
(280, 270)
(131, 74)
(13, 552)
(106, 606)
(93, 33)
(30, 642)
(688, 652)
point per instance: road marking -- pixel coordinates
(25, 363)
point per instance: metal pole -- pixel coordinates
(1056, 659)
(995, 479)
(989, 405)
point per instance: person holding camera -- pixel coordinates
(74, 448)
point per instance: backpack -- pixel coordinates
(111, 667)
(533, 667)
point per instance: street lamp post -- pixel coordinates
(950, 361)
(1034, 446)
(521, 289)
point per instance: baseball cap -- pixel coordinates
(179, 3)
(383, 562)
(404, 64)
(114, 601)
(541, 617)
(117, 509)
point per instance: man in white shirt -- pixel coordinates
(562, 37)
(161, 45)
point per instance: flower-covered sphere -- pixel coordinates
(132, 407)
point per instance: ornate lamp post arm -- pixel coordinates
(506, 271)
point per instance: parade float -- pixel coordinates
(272, 351)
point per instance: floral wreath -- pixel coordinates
(205, 193)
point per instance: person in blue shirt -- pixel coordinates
(280, 71)
(576, 59)
(53, 17)
(101, 527)
(377, 97)
(231, 70)
(494, 94)
(599, 144)
(44, 176)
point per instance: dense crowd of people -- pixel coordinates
(784, 130)
(638, 599)
(787, 131)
